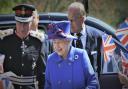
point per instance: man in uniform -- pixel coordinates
(22, 51)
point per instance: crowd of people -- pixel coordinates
(74, 63)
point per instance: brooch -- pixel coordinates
(76, 57)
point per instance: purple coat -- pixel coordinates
(75, 72)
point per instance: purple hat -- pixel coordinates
(60, 30)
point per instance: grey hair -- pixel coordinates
(79, 6)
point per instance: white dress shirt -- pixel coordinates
(83, 37)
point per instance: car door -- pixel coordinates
(109, 73)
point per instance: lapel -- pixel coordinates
(89, 40)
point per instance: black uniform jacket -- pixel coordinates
(23, 57)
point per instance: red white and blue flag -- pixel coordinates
(108, 47)
(122, 35)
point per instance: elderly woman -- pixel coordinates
(67, 67)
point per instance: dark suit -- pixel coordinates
(93, 46)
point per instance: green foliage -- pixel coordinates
(110, 11)
(41, 5)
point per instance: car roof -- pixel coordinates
(7, 21)
(46, 18)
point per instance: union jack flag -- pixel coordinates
(108, 47)
(122, 35)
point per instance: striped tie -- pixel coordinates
(78, 41)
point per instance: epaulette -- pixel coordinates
(7, 32)
(38, 35)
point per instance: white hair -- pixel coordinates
(79, 6)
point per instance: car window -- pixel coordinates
(111, 58)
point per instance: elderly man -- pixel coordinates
(89, 38)
(22, 51)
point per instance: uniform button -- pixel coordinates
(59, 65)
(22, 64)
(10, 57)
(59, 82)
(69, 64)
(69, 81)
(22, 52)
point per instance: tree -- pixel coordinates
(110, 11)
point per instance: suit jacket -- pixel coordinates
(93, 47)
(75, 72)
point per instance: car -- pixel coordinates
(8, 21)
(107, 79)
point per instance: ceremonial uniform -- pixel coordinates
(23, 54)
(23, 57)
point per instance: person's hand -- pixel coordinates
(123, 79)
